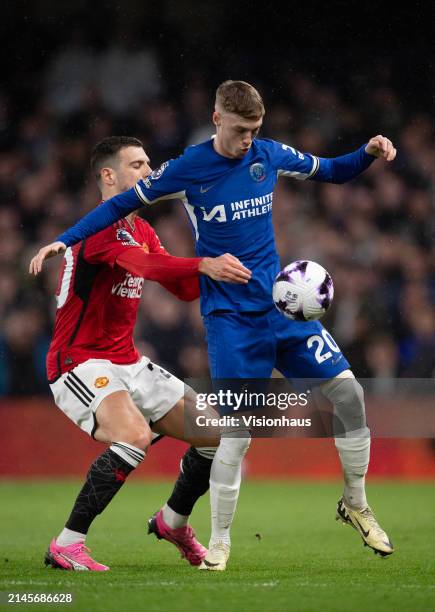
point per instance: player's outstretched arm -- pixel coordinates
(51, 250)
(164, 267)
(168, 182)
(179, 275)
(101, 217)
(346, 167)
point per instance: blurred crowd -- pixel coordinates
(375, 235)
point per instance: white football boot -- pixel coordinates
(367, 526)
(216, 558)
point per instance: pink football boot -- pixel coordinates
(73, 557)
(183, 538)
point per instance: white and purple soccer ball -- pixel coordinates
(303, 291)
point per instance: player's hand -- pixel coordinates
(225, 268)
(55, 248)
(379, 146)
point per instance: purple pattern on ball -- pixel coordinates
(297, 266)
(301, 266)
(297, 316)
(325, 292)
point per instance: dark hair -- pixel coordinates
(240, 98)
(108, 148)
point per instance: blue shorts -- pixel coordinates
(250, 345)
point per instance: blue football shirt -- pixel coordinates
(229, 204)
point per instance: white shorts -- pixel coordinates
(79, 392)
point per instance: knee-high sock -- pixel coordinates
(104, 479)
(352, 436)
(225, 478)
(192, 482)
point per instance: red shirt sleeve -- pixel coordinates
(157, 266)
(179, 275)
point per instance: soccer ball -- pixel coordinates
(303, 291)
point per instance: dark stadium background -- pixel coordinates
(332, 75)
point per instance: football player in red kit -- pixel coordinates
(99, 379)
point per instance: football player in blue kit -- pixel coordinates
(226, 185)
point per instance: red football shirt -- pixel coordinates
(98, 300)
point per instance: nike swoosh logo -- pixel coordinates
(205, 189)
(365, 533)
(336, 360)
(208, 564)
(77, 566)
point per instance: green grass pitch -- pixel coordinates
(301, 560)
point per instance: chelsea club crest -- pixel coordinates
(156, 174)
(257, 172)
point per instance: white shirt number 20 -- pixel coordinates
(320, 342)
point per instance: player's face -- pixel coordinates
(234, 134)
(133, 164)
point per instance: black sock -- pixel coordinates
(193, 481)
(104, 479)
